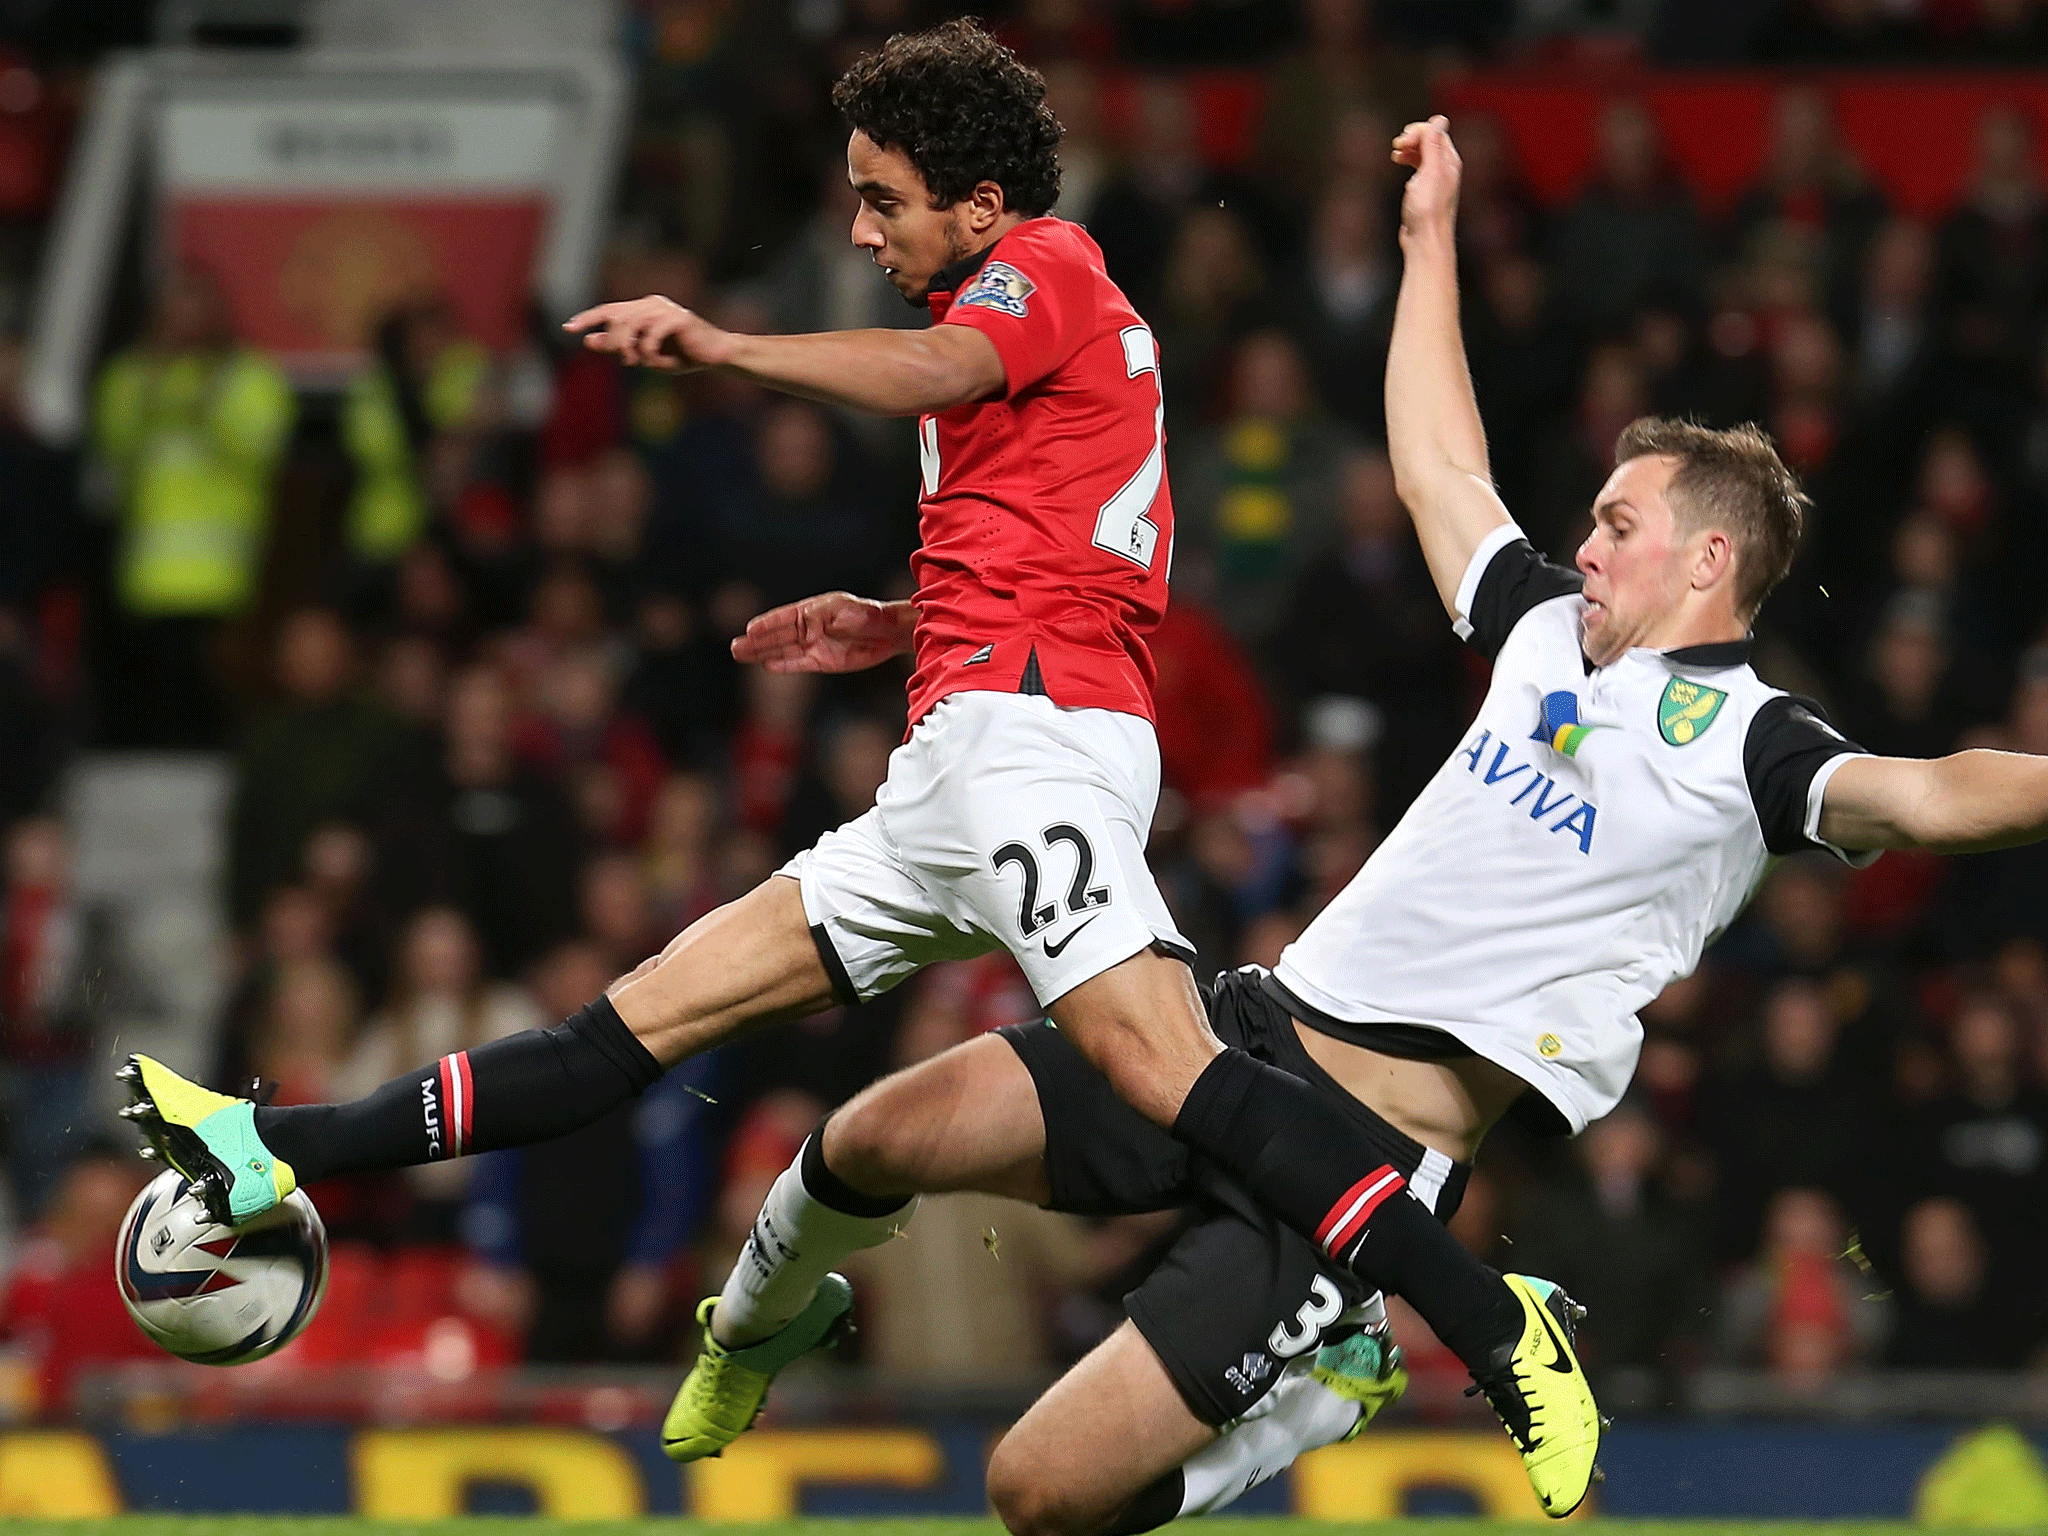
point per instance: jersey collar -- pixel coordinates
(949, 278)
(1716, 655)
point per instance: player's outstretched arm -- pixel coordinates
(891, 373)
(1434, 437)
(832, 632)
(1967, 802)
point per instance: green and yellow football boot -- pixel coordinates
(1367, 1369)
(1537, 1387)
(727, 1388)
(208, 1137)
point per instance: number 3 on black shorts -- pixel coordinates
(1080, 895)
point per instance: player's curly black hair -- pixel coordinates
(964, 109)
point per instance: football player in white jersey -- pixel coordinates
(1616, 801)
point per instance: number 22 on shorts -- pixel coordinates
(1081, 895)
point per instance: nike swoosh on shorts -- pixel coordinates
(1054, 951)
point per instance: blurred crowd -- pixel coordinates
(462, 628)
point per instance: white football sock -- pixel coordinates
(796, 1241)
(1297, 1416)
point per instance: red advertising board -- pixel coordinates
(320, 215)
(310, 277)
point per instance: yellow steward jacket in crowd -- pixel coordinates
(191, 440)
(388, 512)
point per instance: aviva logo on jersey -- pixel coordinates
(1686, 710)
(1527, 787)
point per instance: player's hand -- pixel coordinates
(653, 332)
(1430, 201)
(834, 632)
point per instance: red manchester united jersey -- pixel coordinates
(1045, 526)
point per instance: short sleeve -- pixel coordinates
(1505, 579)
(1788, 757)
(1030, 298)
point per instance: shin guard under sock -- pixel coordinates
(528, 1087)
(1313, 1165)
(811, 1220)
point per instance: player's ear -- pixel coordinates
(1713, 559)
(984, 206)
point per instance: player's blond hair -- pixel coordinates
(1732, 479)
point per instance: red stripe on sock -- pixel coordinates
(1336, 1212)
(447, 1078)
(1347, 1218)
(468, 1109)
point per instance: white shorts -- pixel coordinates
(1007, 822)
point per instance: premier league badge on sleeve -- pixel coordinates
(1000, 286)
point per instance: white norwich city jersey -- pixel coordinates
(1576, 854)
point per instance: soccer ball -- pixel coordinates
(213, 1294)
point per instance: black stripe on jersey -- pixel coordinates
(1789, 741)
(1515, 580)
(1033, 680)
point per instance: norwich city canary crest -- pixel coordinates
(1686, 710)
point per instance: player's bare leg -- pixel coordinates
(1140, 1023)
(1112, 1449)
(1099, 1437)
(966, 1119)
(747, 965)
(750, 963)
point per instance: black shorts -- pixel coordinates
(1238, 1294)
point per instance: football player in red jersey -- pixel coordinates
(1015, 813)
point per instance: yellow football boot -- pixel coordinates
(208, 1137)
(1541, 1394)
(727, 1388)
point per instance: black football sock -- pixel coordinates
(1316, 1168)
(833, 1192)
(1156, 1503)
(528, 1087)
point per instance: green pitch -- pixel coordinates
(274, 1525)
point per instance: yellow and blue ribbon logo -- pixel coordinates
(1560, 726)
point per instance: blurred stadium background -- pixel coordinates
(364, 694)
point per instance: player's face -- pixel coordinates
(1636, 560)
(897, 225)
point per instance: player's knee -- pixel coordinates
(1029, 1500)
(865, 1145)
